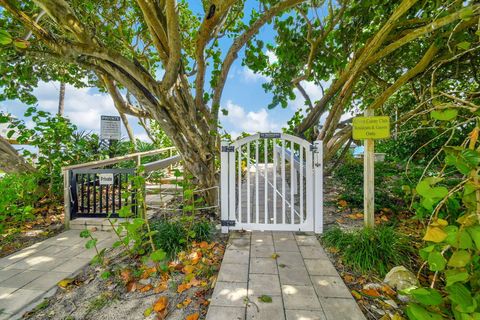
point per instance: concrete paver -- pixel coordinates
(291, 268)
(31, 273)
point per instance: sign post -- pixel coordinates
(369, 128)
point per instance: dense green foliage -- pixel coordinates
(452, 251)
(369, 250)
(392, 185)
(19, 196)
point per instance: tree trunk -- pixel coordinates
(11, 161)
(61, 100)
(127, 126)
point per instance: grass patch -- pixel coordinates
(174, 236)
(370, 250)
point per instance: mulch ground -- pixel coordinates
(47, 223)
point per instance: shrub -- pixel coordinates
(170, 236)
(174, 236)
(203, 230)
(19, 196)
(367, 249)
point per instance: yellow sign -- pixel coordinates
(371, 128)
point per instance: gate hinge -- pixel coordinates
(228, 148)
(313, 148)
(227, 223)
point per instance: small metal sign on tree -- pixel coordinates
(370, 128)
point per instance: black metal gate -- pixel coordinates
(100, 193)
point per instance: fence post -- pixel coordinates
(224, 194)
(66, 198)
(318, 186)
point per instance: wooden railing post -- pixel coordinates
(66, 198)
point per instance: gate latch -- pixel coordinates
(227, 223)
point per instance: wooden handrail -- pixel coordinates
(95, 164)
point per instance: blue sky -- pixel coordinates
(243, 97)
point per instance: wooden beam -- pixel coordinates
(133, 156)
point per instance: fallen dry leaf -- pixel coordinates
(131, 286)
(184, 303)
(183, 287)
(161, 287)
(65, 283)
(203, 245)
(161, 304)
(126, 275)
(146, 288)
(371, 292)
(193, 316)
(188, 269)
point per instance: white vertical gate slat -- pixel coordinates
(318, 197)
(224, 192)
(231, 186)
(249, 204)
(274, 181)
(292, 182)
(239, 164)
(257, 211)
(302, 220)
(310, 187)
(265, 161)
(284, 195)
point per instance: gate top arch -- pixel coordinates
(272, 135)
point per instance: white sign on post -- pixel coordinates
(106, 179)
(110, 128)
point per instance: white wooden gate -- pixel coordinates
(272, 181)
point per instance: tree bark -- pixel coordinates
(127, 126)
(61, 100)
(11, 161)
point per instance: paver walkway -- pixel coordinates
(32, 273)
(301, 281)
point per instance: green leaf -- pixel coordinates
(417, 312)
(265, 298)
(465, 45)
(5, 37)
(427, 296)
(425, 252)
(474, 232)
(459, 239)
(459, 294)
(459, 259)
(436, 261)
(21, 44)
(444, 115)
(158, 255)
(91, 243)
(454, 275)
(85, 234)
(466, 14)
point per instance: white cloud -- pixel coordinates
(82, 106)
(250, 122)
(313, 90)
(272, 57)
(249, 76)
